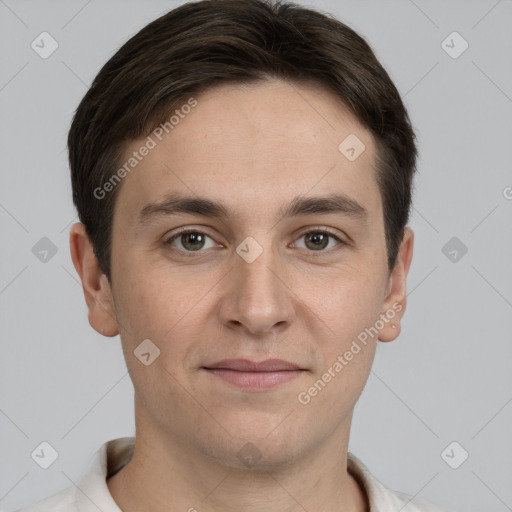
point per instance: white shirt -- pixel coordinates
(92, 494)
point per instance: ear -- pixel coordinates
(97, 291)
(396, 294)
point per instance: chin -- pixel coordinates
(260, 444)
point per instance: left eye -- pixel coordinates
(194, 241)
(318, 240)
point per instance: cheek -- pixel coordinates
(150, 306)
(346, 350)
(348, 301)
(349, 307)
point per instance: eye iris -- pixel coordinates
(196, 240)
(317, 237)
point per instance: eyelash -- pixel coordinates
(185, 231)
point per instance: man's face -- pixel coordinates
(251, 285)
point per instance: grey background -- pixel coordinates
(448, 376)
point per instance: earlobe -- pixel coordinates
(97, 291)
(396, 298)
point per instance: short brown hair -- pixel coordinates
(211, 42)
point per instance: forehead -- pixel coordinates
(255, 144)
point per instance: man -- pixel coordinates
(242, 171)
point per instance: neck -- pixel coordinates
(168, 474)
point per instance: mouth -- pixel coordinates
(255, 375)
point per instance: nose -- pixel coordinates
(258, 300)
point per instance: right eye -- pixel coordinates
(190, 240)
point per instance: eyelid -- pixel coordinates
(320, 229)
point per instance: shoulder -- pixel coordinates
(410, 504)
(383, 499)
(91, 494)
(62, 501)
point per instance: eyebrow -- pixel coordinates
(175, 204)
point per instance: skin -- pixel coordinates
(255, 148)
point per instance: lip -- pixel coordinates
(245, 365)
(255, 375)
